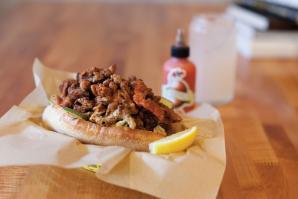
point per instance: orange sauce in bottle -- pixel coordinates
(179, 76)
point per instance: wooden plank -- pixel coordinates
(53, 182)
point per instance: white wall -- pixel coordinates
(121, 1)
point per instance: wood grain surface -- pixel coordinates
(261, 123)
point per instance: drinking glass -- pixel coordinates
(213, 51)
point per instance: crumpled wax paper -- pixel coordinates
(195, 173)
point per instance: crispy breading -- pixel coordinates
(108, 99)
(162, 112)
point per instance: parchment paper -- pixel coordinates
(196, 173)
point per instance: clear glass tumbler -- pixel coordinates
(213, 51)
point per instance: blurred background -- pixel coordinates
(138, 34)
(9, 3)
(261, 24)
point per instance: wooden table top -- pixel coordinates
(261, 124)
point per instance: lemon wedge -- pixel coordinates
(174, 143)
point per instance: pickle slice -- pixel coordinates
(92, 168)
(166, 102)
(76, 113)
(73, 112)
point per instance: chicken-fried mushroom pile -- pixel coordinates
(110, 100)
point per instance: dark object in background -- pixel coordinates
(265, 29)
(282, 12)
(285, 3)
(279, 17)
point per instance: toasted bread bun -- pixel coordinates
(66, 123)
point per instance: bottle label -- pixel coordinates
(177, 89)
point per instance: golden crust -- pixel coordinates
(87, 132)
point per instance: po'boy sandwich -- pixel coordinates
(101, 107)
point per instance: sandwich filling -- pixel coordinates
(108, 99)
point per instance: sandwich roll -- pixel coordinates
(61, 121)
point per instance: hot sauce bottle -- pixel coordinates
(179, 76)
